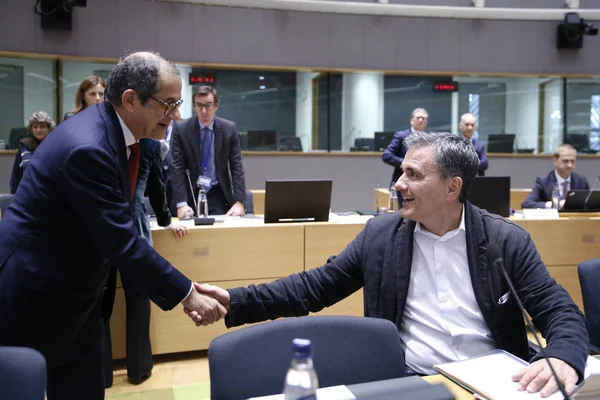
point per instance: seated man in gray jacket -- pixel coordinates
(428, 270)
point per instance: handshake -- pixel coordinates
(206, 304)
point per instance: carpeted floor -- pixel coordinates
(199, 391)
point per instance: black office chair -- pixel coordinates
(22, 374)
(249, 202)
(589, 276)
(5, 200)
(346, 350)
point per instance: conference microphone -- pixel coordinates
(587, 198)
(495, 256)
(187, 172)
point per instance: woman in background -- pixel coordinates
(40, 124)
(91, 91)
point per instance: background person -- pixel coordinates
(90, 91)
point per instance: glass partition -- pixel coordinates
(306, 110)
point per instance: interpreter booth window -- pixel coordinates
(71, 77)
(582, 104)
(27, 85)
(263, 104)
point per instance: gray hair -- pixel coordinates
(138, 71)
(41, 117)
(454, 156)
(416, 110)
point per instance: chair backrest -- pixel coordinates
(249, 202)
(22, 374)
(589, 276)
(5, 200)
(346, 350)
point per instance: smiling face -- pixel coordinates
(149, 120)
(427, 197)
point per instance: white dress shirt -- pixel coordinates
(559, 183)
(442, 321)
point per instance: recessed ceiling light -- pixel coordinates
(261, 87)
(261, 78)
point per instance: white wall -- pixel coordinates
(552, 115)
(362, 106)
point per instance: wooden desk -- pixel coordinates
(258, 198)
(458, 392)
(517, 197)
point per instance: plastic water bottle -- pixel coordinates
(301, 381)
(393, 199)
(555, 197)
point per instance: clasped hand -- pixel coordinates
(206, 304)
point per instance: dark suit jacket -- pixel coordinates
(395, 152)
(542, 191)
(379, 261)
(186, 155)
(70, 216)
(483, 160)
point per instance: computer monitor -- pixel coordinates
(582, 201)
(501, 143)
(262, 140)
(297, 200)
(580, 141)
(492, 193)
(363, 144)
(382, 139)
(16, 134)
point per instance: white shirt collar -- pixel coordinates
(560, 179)
(209, 126)
(129, 138)
(419, 228)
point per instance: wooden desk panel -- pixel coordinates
(517, 197)
(221, 253)
(323, 239)
(258, 198)
(567, 277)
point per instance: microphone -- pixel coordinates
(377, 198)
(587, 198)
(495, 255)
(187, 172)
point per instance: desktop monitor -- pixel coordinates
(501, 143)
(363, 144)
(580, 141)
(16, 134)
(492, 193)
(582, 201)
(297, 200)
(382, 140)
(262, 140)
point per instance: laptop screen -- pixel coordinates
(582, 200)
(297, 200)
(492, 193)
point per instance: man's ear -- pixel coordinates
(455, 187)
(128, 99)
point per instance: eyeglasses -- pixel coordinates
(169, 107)
(421, 118)
(208, 106)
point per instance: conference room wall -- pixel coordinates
(239, 36)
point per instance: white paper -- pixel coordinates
(329, 393)
(540, 213)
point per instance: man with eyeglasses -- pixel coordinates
(206, 150)
(71, 220)
(396, 150)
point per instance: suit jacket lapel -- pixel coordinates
(551, 183)
(117, 143)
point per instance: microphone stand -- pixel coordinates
(587, 198)
(199, 220)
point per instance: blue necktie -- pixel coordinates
(208, 163)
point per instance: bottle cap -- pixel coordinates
(301, 348)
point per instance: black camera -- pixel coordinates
(570, 32)
(57, 14)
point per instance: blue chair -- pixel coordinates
(589, 277)
(346, 350)
(22, 374)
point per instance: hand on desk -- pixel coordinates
(179, 230)
(537, 377)
(236, 209)
(202, 308)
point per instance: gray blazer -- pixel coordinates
(185, 145)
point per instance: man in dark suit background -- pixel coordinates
(395, 151)
(209, 148)
(467, 126)
(71, 219)
(563, 177)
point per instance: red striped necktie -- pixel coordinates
(134, 166)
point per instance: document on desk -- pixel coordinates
(490, 376)
(329, 393)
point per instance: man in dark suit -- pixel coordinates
(467, 126)
(428, 270)
(71, 219)
(562, 178)
(395, 151)
(209, 148)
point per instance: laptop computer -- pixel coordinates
(297, 200)
(492, 193)
(582, 201)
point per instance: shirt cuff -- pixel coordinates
(182, 204)
(548, 204)
(189, 293)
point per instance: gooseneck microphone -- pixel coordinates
(187, 172)
(495, 255)
(587, 198)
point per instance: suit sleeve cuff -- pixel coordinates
(182, 204)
